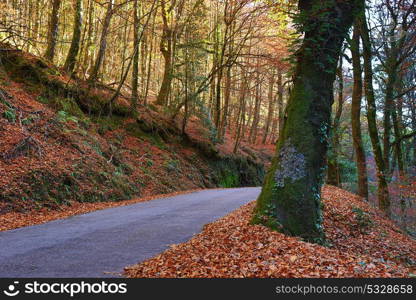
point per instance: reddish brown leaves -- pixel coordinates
(230, 247)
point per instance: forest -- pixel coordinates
(103, 101)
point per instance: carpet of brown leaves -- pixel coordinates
(230, 247)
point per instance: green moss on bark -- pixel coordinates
(303, 143)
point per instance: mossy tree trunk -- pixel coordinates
(227, 98)
(414, 139)
(280, 91)
(256, 112)
(53, 30)
(387, 115)
(397, 134)
(166, 48)
(71, 58)
(241, 117)
(290, 198)
(103, 42)
(270, 113)
(413, 143)
(357, 94)
(88, 40)
(382, 191)
(135, 71)
(334, 168)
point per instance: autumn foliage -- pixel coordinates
(361, 243)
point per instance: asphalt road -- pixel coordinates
(102, 243)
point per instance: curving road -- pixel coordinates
(102, 243)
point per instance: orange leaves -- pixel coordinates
(293, 258)
(230, 247)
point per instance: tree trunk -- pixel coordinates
(242, 115)
(166, 48)
(391, 70)
(53, 31)
(103, 43)
(71, 58)
(387, 115)
(280, 90)
(162, 97)
(227, 96)
(383, 192)
(186, 86)
(398, 144)
(357, 94)
(290, 198)
(275, 125)
(126, 72)
(256, 113)
(413, 144)
(218, 93)
(414, 139)
(270, 112)
(217, 115)
(36, 21)
(89, 37)
(135, 71)
(334, 172)
(149, 65)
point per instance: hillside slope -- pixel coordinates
(59, 145)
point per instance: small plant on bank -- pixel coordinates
(64, 117)
(10, 115)
(268, 217)
(362, 219)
